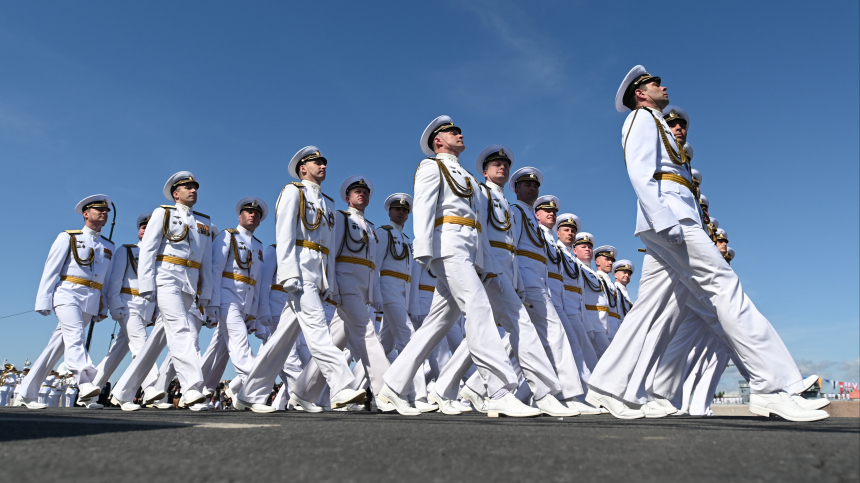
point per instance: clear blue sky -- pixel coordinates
(102, 97)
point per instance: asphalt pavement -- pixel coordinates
(179, 445)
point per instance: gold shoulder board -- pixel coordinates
(74, 232)
(232, 231)
(297, 184)
(201, 214)
(386, 227)
(168, 207)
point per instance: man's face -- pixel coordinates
(250, 219)
(657, 93)
(604, 264)
(358, 198)
(398, 215)
(447, 141)
(497, 171)
(528, 191)
(584, 252)
(141, 230)
(185, 194)
(679, 129)
(546, 217)
(623, 276)
(315, 170)
(96, 216)
(566, 235)
(723, 246)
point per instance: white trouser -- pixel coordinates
(523, 342)
(69, 400)
(459, 290)
(589, 355)
(131, 337)
(214, 361)
(441, 354)
(5, 396)
(44, 399)
(351, 323)
(168, 370)
(599, 340)
(126, 388)
(68, 341)
(672, 275)
(396, 323)
(233, 328)
(714, 361)
(181, 329)
(303, 312)
(572, 339)
(673, 366)
(551, 331)
(53, 400)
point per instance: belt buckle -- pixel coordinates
(188, 263)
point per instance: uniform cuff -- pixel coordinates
(663, 219)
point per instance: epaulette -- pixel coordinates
(168, 207)
(74, 232)
(274, 245)
(107, 239)
(387, 227)
(200, 214)
(434, 158)
(297, 184)
(232, 231)
(328, 197)
(130, 246)
(344, 212)
(255, 238)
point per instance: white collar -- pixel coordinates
(395, 225)
(183, 207)
(88, 231)
(495, 186)
(547, 232)
(448, 157)
(245, 231)
(526, 205)
(356, 212)
(310, 184)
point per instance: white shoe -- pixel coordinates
(583, 408)
(127, 406)
(509, 405)
(346, 396)
(464, 405)
(151, 394)
(387, 395)
(199, 407)
(617, 408)
(208, 393)
(478, 402)
(653, 409)
(88, 390)
(261, 408)
(784, 406)
(382, 407)
(162, 405)
(425, 407)
(551, 406)
(191, 397)
(82, 401)
(92, 404)
(29, 403)
(817, 403)
(665, 405)
(307, 406)
(808, 382)
(355, 408)
(446, 406)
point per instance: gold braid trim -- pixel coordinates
(459, 190)
(166, 228)
(491, 213)
(73, 247)
(678, 158)
(243, 264)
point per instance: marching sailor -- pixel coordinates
(604, 257)
(449, 241)
(305, 248)
(593, 296)
(77, 268)
(237, 261)
(8, 381)
(682, 264)
(623, 271)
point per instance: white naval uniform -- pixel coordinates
(62, 289)
(508, 310)
(45, 389)
(574, 305)
(122, 294)
(595, 304)
(610, 318)
(555, 284)
(238, 294)
(57, 389)
(395, 282)
(421, 290)
(71, 392)
(8, 381)
(625, 303)
(449, 239)
(673, 274)
(305, 251)
(531, 258)
(358, 285)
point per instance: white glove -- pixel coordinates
(262, 333)
(292, 285)
(212, 312)
(44, 312)
(424, 261)
(118, 314)
(100, 317)
(265, 321)
(148, 296)
(673, 235)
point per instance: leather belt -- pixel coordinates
(392, 273)
(571, 288)
(357, 261)
(532, 255)
(676, 179)
(81, 281)
(458, 220)
(239, 278)
(312, 246)
(278, 288)
(600, 308)
(130, 291)
(556, 276)
(427, 288)
(503, 245)
(179, 261)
